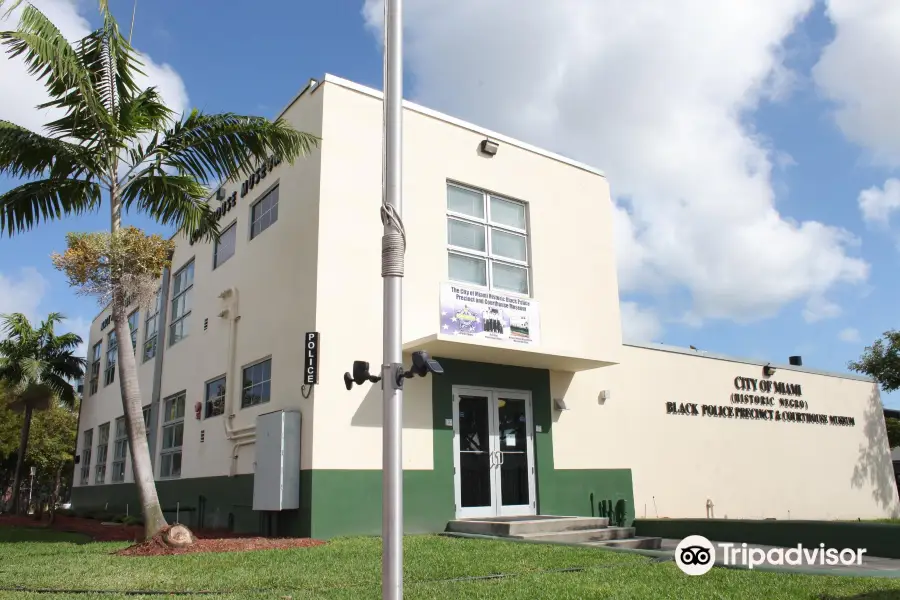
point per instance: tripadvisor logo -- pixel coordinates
(695, 555)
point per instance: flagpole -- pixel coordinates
(392, 250)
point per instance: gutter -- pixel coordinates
(243, 436)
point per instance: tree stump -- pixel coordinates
(178, 536)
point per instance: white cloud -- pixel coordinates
(857, 70)
(878, 204)
(638, 324)
(657, 95)
(818, 309)
(849, 335)
(23, 293)
(80, 326)
(19, 107)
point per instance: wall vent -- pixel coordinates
(202, 435)
(205, 324)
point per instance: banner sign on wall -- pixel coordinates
(489, 315)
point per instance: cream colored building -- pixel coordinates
(511, 284)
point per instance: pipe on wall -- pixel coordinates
(243, 436)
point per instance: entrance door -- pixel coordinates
(494, 453)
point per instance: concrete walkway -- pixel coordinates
(872, 566)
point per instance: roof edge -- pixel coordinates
(363, 89)
(747, 361)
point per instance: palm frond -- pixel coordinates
(51, 59)
(23, 207)
(26, 154)
(172, 200)
(212, 148)
(143, 113)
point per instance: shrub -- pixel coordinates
(66, 512)
(132, 520)
(119, 518)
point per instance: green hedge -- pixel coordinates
(879, 539)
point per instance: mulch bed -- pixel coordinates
(206, 540)
(155, 546)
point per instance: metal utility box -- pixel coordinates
(276, 480)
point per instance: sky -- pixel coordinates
(752, 149)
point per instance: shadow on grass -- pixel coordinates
(873, 595)
(17, 535)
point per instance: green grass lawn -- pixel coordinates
(435, 567)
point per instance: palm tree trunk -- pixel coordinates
(20, 459)
(54, 500)
(134, 423)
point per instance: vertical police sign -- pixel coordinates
(311, 370)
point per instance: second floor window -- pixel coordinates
(487, 240)
(133, 326)
(120, 451)
(181, 303)
(112, 347)
(96, 355)
(151, 327)
(86, 450)
(102, 451)
(264, 213)
(225, 246)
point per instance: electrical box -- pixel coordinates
(276, 479)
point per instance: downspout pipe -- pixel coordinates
(243, 436)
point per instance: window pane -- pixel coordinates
(511, 214)
(176, 464)
(510, 278)
(465, 202)
(225, 245)
(467, 269)
(465, 235)
(509, 245)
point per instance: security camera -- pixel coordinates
(423, 364)
(360, 375)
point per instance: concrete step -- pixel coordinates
(642, 543)
(581, 536)
(526, 527)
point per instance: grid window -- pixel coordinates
(172, 436)
(181, 303)
(257, 384)
(488, 240)
(264, 213)
(215, 397)
(112, 347)
(133, 326)
(225, 246)
(86, 450)
(151, 327)
(120, 451)
(96, 355)
(102, 451)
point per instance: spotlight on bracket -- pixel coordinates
(489, 147)
(360, 375)
(768, 370)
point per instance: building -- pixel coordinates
(511, 284)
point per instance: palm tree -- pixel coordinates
(36, 366)
(117, 141)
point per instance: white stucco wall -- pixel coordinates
(748, 468)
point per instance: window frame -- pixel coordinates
(206, 402)
(216, 263)
(244, 388)
(100, 467)
(263, 196)
(152, 315)
(96, 359)
(167, 423)
(87, 452)
(489, 226)
(136, 313)
(112, 349)
(183, 293)
(119, 442)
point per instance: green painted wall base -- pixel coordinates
(879, 539)
(348, 502)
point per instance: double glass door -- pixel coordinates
(494, 455)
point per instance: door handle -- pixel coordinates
(502, 457)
